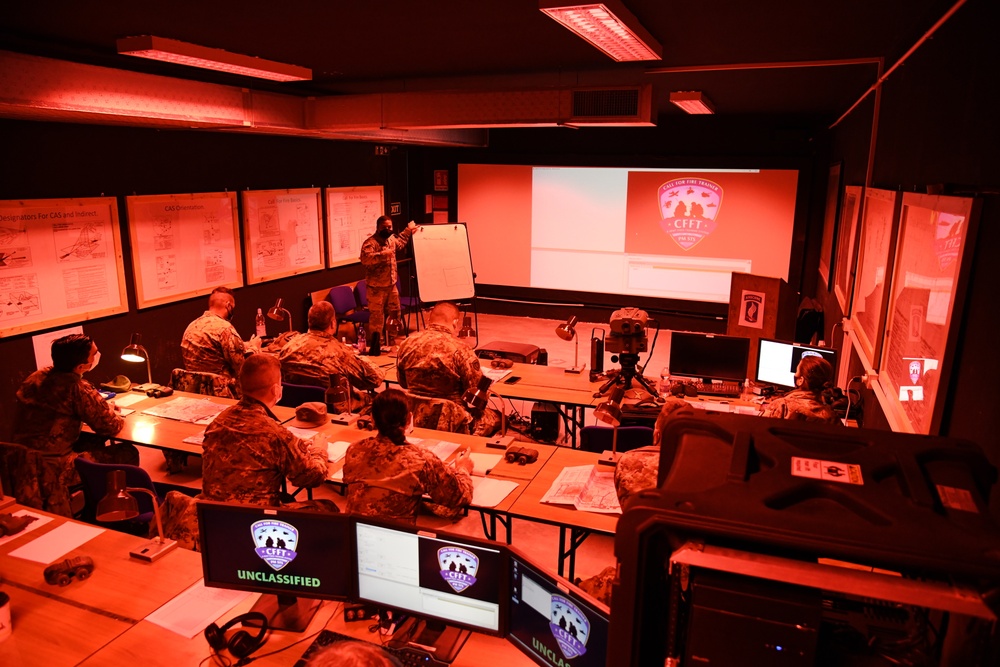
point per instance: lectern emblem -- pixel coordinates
(275, 542)
(688, 209)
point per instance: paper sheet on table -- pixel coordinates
(303, 433)
(714, 406)
(56, 543)
(196, 439)
(39, 521)
(122, 400)
(440, 448)
(189, 613)
(125, 412)
(185, 409)
(497, 374)
(484, 462)
(337, 476)
(488, 492)
(586, 488)
(336, 451)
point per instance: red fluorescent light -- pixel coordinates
(692, 101)
(183, 53)
(609, 26)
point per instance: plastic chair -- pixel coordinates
(410, 304)
(346, 306)
(294, 395)
(599, 438)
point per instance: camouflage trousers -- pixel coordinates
(380, 301)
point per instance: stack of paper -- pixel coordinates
(586, 488)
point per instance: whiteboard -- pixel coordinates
(283, 233)
(444, 262)
(350, 219)
(183, 245)
(60, 261)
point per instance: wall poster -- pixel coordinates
(843, 258)
(350, 219)
(931, 271)
(60, 262)
(183, 245)
(283, 233)
(878, 242)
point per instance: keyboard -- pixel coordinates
(409, 657)
(728, 388)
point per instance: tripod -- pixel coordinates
(626, 375)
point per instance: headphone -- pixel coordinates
(681, 389)
(242, 643)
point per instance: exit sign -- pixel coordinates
(395, 208)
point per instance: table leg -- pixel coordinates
(577, 536)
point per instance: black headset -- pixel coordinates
(682, 389)
(242, 643)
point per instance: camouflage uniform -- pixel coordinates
(599, 585)
(388, 480)
(312, 357)
(433, 362)
(51, 408)
(211, 345)
(800, 405)
(248, 455)
(637, 469)
(379, 259)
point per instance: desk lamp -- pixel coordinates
(477, 399)
(392, 329)
(567, 331)
(338, 393)
(279, 313)
(119, 505)
(610, 412)
(135, 353)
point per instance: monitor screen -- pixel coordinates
(458, 580)
(552, 622)
(275, 551)
(777, 361)
(709, 356)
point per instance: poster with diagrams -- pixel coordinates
(282, 232)
(183, 245)
(60, 261)
(350, 219)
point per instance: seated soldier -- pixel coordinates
(210, 344)
(435, 363)
(388, 477)
(811, 398)
(53, 404)
(311, 358)
(248, 453)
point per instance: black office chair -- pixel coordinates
(599, 438)
(294, 395)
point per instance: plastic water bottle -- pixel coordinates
(362, 341)
(261, 324)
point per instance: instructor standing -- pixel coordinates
(378, 256)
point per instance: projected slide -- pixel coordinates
(661, 233)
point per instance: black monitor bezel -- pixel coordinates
(707, 378)
(822, 350)
(504, 579)
(279, 512)
(557, 582)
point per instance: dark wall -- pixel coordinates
(937, 127)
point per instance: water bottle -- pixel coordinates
(362, 341)
(261, 324)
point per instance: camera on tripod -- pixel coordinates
(628, 331)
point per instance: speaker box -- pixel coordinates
(519, 352)
(545, 422)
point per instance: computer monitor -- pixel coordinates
(709, 356)
(448, 581)
(777, 361)
(294, 557)
(553, 622)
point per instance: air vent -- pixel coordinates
(608, 103)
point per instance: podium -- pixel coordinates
(761, 307)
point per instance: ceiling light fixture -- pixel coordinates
(608, 25)
(692, 101)
(193, 55)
